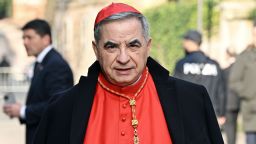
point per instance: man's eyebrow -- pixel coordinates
(26, 36)
(109, 43)
(135, 41)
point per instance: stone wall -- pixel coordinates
(235, 31)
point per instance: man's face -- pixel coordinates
(186, 43)
(122, 51)
(189, 46)
(33, 42)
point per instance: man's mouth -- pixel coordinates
(123, 71)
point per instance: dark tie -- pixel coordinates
(36, 68)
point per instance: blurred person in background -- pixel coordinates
(52, 74)
(198, 68)
(233, 101)
(127, 96)
(4, 75)
(4, 62)
(243, 81)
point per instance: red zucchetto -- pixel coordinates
(112, 9)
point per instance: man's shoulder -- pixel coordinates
(53, 54)
(181, 62)
(68, 95)
(64, 96)
(212, 61)
(64, 101)
(188, 93)
(56, 59)
(245, 54)
(184, 85)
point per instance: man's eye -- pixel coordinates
(134, 45)
(110, 46)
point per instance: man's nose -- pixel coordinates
(25, 41)
(123, 57)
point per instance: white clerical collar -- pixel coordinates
(43, 53)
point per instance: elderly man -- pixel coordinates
(127, 97)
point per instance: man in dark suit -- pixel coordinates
(52, 74)
(128, 97)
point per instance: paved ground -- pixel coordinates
(11, 132)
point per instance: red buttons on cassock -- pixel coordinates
(123, 119)
(122, 133)
(124, 106)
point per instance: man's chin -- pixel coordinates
(124, 82)
(29, 54)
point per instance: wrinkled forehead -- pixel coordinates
(126, 28)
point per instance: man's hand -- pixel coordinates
(221, 120)
(12, 110)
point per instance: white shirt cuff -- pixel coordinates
(23, 112)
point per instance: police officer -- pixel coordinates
(198, 68)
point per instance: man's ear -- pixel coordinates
(46, 39)
(149, 43)
(95, 49)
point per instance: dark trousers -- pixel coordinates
(231, 126)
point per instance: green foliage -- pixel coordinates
(252, 14)
(168, 23)
(5, 8)
(211, 17)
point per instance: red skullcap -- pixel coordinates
(112, 9)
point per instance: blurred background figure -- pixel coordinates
(198, 68)
(4, 62)
(242, 81)
(233, 101)
(51, 75)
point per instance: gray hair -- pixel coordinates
(120, 16)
